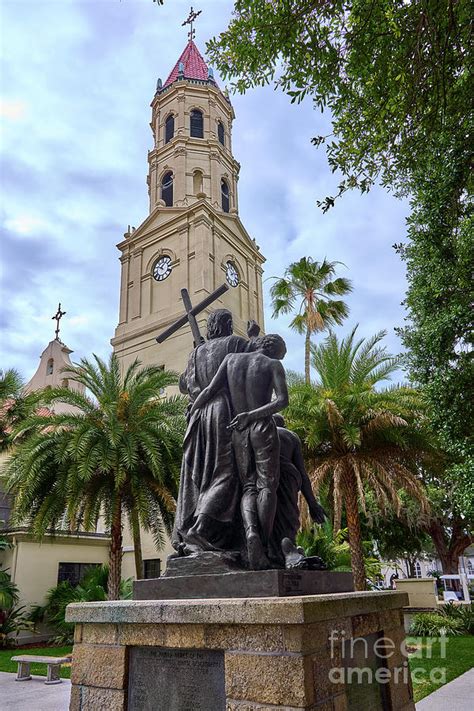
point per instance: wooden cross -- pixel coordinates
(192, 16)
(190, 315)
(57, 317)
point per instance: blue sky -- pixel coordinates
(75, 89)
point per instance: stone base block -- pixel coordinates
(339, 652)
(247, 583)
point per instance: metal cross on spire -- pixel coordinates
(57, 317)
(191, 17)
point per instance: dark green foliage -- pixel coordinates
(93, 587)
(439, 331)
(334, 549)
(399, 536)
(12, 622)
(9, 593)
(323, 542)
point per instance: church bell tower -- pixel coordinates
(193, 236)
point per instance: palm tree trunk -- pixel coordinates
(353, 527)
(307, 351)
(305, 518)
(137, 543)
(115, 552)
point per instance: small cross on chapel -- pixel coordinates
(193, 238)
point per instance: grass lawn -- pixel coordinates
(427, 665)
(6, 665)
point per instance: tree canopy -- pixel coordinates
(395, 77)
(392, 73)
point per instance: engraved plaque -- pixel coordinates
(292, 583)
(175, 680)
(363, 691)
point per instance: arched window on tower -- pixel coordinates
(167, 189)
(225, 195)
(220, 132)
(417, 570)
(50, 367)
(197, 127)
(169, 128)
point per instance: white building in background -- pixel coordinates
(425, 567)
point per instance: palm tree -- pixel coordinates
(356, 436)
(307, 288)
(15, 404)
(116, 455)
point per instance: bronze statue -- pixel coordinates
(293, 480)
(209, 493)
(251, 379)
(240, 473)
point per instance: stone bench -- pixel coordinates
(54, 667)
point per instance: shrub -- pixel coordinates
(334, 549)
(464, 614)
(92, 588)
(12, 622)
(9, 593)
(435, 624)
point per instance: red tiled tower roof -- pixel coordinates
(194, 66)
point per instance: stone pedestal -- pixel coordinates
(294, 653)
(244, 583)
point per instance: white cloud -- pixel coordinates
(25, 224)
(13, 109)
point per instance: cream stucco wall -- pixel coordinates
(421, 591)
(52, 372)
(149, 552)
(34, 566)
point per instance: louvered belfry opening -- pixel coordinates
(197, 128)
(167, 189)
(169, 128)
(225, 195)
(220, 132)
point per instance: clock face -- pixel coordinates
(162, 268)
(231, 274)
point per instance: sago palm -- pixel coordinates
(357, 436)
(308, 287)
(116, 455)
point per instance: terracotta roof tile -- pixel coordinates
(194, 65)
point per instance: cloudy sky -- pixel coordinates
(77, 80)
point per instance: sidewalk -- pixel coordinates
(33, 695)
(458, 694)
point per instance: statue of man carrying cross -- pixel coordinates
(209, 494)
